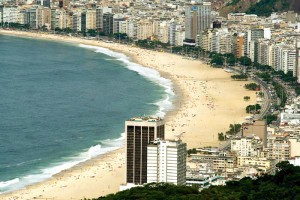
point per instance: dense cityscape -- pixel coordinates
(262, 50)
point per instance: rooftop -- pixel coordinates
(148, 119)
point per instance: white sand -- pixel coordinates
(207, 102)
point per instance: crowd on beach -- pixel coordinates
(206, 102)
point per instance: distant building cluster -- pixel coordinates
(272, 41)
(269, 41)
(254, 153)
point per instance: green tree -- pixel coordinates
(217, 60)
(244, 60)
(234, 129)
(239, 77)
(192, 151)
(246, 98)
(253, 108)
(221, 137)
(270, 118)
(91, 32)
(252, 86)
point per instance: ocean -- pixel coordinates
(62, 104)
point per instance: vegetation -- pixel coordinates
(234, 129)
(239, 77)
(221, 136)
(65, 30)
(233, 3)
(270, 118)
(192, 151)
(288, 77)
(252, 86)
(260, 94)
(297, 90)
(262, 67)
(285, 184)
(280, 92)
(246, 98)
(244, 60)
(14, 25)
(253, 108)
(217, 60)
(266, 7)
(265, 76)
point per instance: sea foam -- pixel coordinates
(104, 146)
(165, 103)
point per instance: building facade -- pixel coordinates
(166, 162)
(139, 133)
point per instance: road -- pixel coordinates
(264, 110)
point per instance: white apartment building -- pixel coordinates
(77, 21)
(204, 39)
(179, 37)
(264, 54)
(164, 32)
(155, 29)
(10, 14)
(58, 19)
(144, 30)
(289, 60)
(90, 19)
(278, 148)
(246, 146)
(132, 29)
(166, 162)
(215, 42)
(294, 147)
(262, 163)
(284, 58)
(118, 20)
(172, 33)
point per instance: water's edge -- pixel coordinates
(165, 104)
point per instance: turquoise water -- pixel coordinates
(61, 104)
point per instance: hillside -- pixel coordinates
(259, 7)
(285, 184)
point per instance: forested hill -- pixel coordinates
(260, 7)
(285, 184)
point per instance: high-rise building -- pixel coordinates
(99, 16)
(108, 23)
(83, 22)
(91, 19)
(166, 162)
(172, 33)
(144, 29)
(139, 133)
(117, 23)
(298, 60)
(252, 35)
(197, 18)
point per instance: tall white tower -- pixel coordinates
(166, 162)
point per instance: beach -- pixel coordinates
(207, 101)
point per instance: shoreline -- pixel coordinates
(194, 95)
